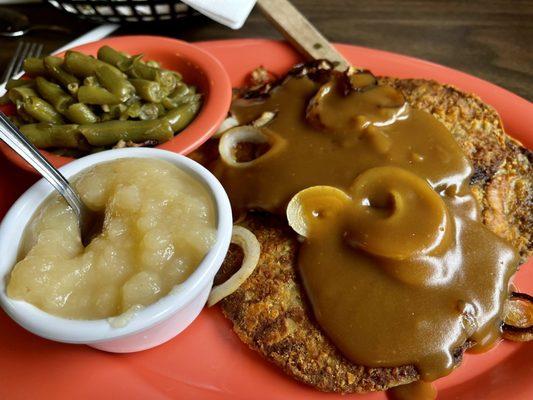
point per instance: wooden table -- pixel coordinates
(490, 39)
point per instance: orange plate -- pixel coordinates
(208, 361)
(198, 68)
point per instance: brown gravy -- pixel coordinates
(418, 390)
(403, 271)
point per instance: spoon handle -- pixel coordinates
(11, 135)
(300, 32)
(53, 28)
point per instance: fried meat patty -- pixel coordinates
(270, 312)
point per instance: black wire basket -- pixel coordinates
(125, 11)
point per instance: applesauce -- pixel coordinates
(159, 224)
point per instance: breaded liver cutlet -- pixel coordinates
(269, 311)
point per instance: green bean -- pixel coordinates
(133, 99)
(73, 88)
(53, 61)
(193, 98)
(74, 153)
(148, 90)
(81, 65)
(45, 135)
(133, 110)
(34, 66)
(81, 113)
(181, 94)
(41, 110)
(115, 81)
(109, 133)
(180, 117)
(149, 111)
(165, 78)
(135, 68)
(178, 76)
(91, 81)
(107, 116)
(143, 71)
(190, 96)
(168, 103)
(153, 63)
(13, 83)
(114, 109)
(161, 110)
(53, 94)
(181, 90)
(21, 93)
(96, 95)
(54, 67)
(21, 112)
(111, 56)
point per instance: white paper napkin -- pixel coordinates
(231, 13)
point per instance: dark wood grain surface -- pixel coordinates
(490, 39)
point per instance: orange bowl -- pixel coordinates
(198, 67)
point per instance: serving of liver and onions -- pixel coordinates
(159, 224)
(396, 264)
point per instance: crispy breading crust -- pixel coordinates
(271, 316)
(269, 311)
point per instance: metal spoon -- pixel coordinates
(13, 24)
(90, 222)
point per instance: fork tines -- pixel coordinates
(23, 51)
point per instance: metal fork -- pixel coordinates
(23, 51)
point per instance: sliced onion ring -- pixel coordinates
(227, 124)
(251, 248)
(328, 199)
(246, 134)
(240, 134)
(264, 119)
(518, 318)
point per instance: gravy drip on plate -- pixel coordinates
(418, 390)
(396, 263)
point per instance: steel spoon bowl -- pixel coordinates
(90, 222)
(14, 24)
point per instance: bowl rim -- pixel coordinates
(66, 330)
(214, 110)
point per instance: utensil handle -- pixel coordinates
(93, 35)
(300, 32)
(11, 135)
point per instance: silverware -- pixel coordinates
(13, 24)
(300, 33)
(23, 51)
(90, 222)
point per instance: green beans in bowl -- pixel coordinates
(79, 104)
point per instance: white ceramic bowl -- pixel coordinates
(154, 324)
